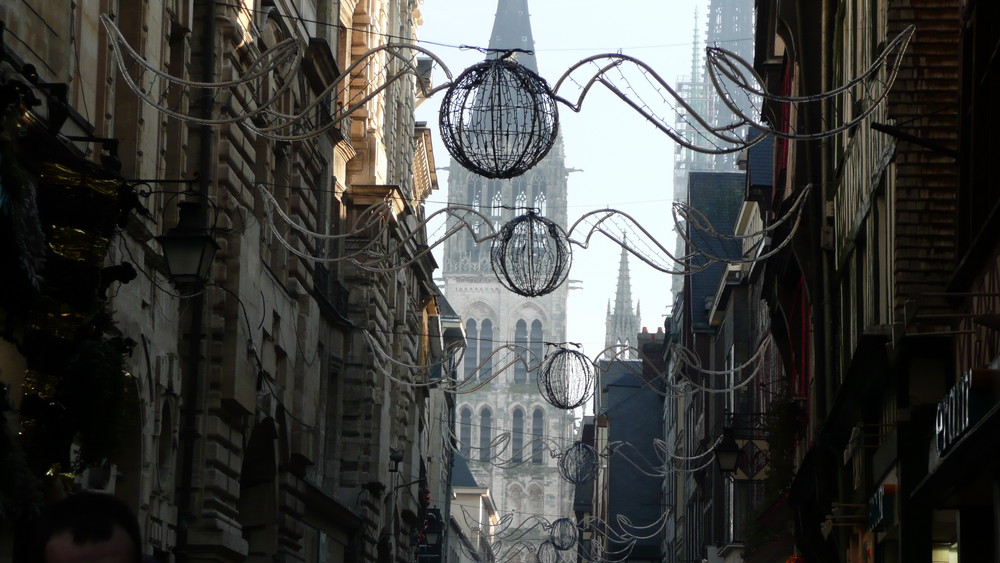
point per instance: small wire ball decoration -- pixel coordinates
(566, 378)
(498, 118)
(563, 534)
(547, 553)
(531, 255)
(578, 464)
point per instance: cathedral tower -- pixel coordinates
(523, 476)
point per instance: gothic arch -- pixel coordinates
(465, 418)
(518, 427)
(516, 495)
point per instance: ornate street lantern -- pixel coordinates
(531, 255)
(727, 453)
(566, 378)
(498, 119)
(188, 248)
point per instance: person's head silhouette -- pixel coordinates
(88, 527)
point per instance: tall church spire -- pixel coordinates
(622, 325)
(512, 30)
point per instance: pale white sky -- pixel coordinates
(625, 162)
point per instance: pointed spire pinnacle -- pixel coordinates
(512, 30)
(622, 323)
(623, 295)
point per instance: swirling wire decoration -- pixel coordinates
(726, 66)
(286, 55)
(685, 214)
(605, 63)
(725, 69)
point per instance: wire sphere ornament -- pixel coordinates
(531, 255)
(547, 553)
(578, 464)
(563, 534)
(498, 118)
(566, 378)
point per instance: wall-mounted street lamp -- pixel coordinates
(188, 248)
(727, 452)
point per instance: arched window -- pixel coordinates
(521, 202)
(521, 341)
(471, 336)
(486, 348)
(536, 500)
(475, 194)
(540, 203)
(516, 496)
(496, 209)
(465, 431)
(485, 433)
(537, 346)
(517, 431)
(537, 427)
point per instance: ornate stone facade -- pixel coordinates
(263, 428)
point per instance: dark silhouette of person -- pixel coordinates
(88, 527)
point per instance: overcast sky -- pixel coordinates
(625, 163)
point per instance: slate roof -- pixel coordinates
(460, 475)
(717, 196)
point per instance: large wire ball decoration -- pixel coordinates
(531, 255)
(498, 118)
(566, 378)
(547, 553)
(578, 464)
(563, 534)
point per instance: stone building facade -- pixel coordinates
(258, 423)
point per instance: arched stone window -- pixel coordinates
(517, 435)
(515, 495)
(537, 432)
(465, 431)
(521, 202)
(472, 337)
(540, 203)
(537, 346)
(536, 500)
(486, 348)
(485, 433)
(521, 341)
(496, 209)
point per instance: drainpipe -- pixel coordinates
(192, 380)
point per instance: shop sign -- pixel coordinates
(880, 506)
(966, 402)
